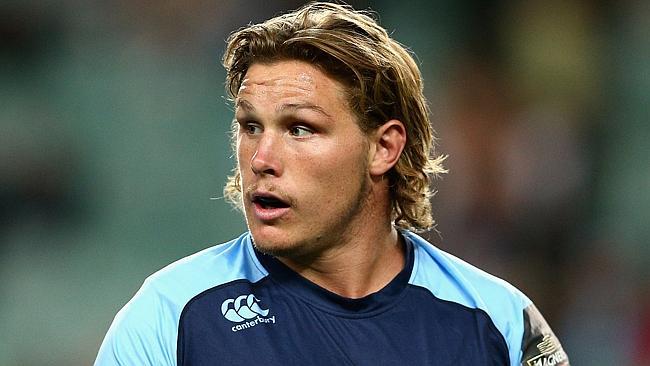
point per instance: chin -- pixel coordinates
(282, 249)
(270, 240)
(279, 244)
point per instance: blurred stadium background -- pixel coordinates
(113, 140)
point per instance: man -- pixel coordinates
(334, 147)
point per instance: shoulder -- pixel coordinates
(451, 279)
(179, 282)
(214, 266)
(145, 330)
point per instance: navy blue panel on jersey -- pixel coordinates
(231, 305)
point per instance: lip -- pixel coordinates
(267, 214)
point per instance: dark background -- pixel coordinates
(114, 152)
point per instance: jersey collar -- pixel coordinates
(325, 300)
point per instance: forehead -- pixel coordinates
(291, 81)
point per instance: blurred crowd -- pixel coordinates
(114, 149)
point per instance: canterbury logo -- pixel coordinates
(244, 307)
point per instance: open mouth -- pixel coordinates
(269, 202)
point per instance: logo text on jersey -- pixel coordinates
(246, 311)
(550, 353)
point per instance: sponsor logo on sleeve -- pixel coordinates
(246, 311)
(551, 353)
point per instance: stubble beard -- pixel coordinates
(336, 233)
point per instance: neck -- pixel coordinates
(359, 267)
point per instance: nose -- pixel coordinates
(266, 159)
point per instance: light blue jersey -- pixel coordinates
(232, 305)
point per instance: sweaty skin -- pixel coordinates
(299, 143)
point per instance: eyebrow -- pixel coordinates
(298, 106)
(248, 107)
(244, 104)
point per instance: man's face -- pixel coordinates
(302, 159)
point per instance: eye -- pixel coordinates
(300, 131)
(252, 128)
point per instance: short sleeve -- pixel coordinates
(140, 333)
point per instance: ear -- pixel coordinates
(389, 141)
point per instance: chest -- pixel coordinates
(265, 326)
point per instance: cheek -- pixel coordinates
(335, 168)
(244, 154)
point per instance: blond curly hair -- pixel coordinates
(382, 80)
